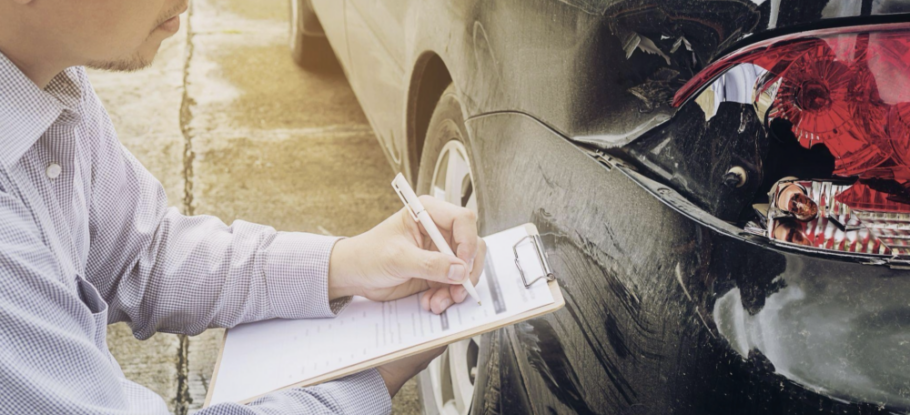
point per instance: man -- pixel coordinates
(86, 238)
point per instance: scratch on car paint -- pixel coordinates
(705, 323)
(543, 173)
(612, 141)
(615, 337)
(618, 247)
(679, 278)
(601, 318)
(594, 7)
(620, 385)
(548, 358)
(487, 76)
(514, 390)
(629, 300)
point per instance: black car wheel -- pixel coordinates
(447, 385)
(309, 46)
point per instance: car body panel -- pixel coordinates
(609, 63)
(694, 320)
(331, 17)
(375, 46)
(668, 310)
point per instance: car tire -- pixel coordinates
(309, 46)
(446, 124)
(447, 386)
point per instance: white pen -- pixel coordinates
(415, 208)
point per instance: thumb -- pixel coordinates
(433, 266)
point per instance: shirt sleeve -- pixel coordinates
(162, 271)
(362, 393)
(54, 355)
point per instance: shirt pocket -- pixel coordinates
(97, 306)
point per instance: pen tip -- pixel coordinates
(478, 303)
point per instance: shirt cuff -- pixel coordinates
(360, 393)
(297, 276)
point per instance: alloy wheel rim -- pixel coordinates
(453, 373)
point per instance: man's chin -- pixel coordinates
(140, 59)
(130, 64)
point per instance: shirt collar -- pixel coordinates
(27, 111)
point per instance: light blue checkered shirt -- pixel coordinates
(93, 242)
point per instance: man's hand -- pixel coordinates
(397, 258)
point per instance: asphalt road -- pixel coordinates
(232, 128)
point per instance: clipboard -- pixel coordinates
(533, 238)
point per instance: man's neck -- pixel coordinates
(40, 75)
(37, 63)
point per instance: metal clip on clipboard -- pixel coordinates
(541, 256)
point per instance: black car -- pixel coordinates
(723, 187)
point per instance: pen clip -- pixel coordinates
(405, 201)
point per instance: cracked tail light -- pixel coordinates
(848, 90)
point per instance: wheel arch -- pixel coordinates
(429, 79)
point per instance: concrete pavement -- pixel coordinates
(233, 128)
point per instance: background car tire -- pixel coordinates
(309, 46)
(446, 146)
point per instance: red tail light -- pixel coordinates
(847, 89)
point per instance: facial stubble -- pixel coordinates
(136, 61)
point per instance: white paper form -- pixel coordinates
(265, 356)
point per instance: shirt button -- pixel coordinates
(53, 171)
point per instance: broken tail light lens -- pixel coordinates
(848, 90)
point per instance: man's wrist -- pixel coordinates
(341, 274)
(392, 382)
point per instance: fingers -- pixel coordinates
(432, 266)
(444, 273)
(438, 298)
(458, 224)
(425, 298)
(458, 292)
(479, 261)
(440, 301)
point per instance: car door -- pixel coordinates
(376, 49)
